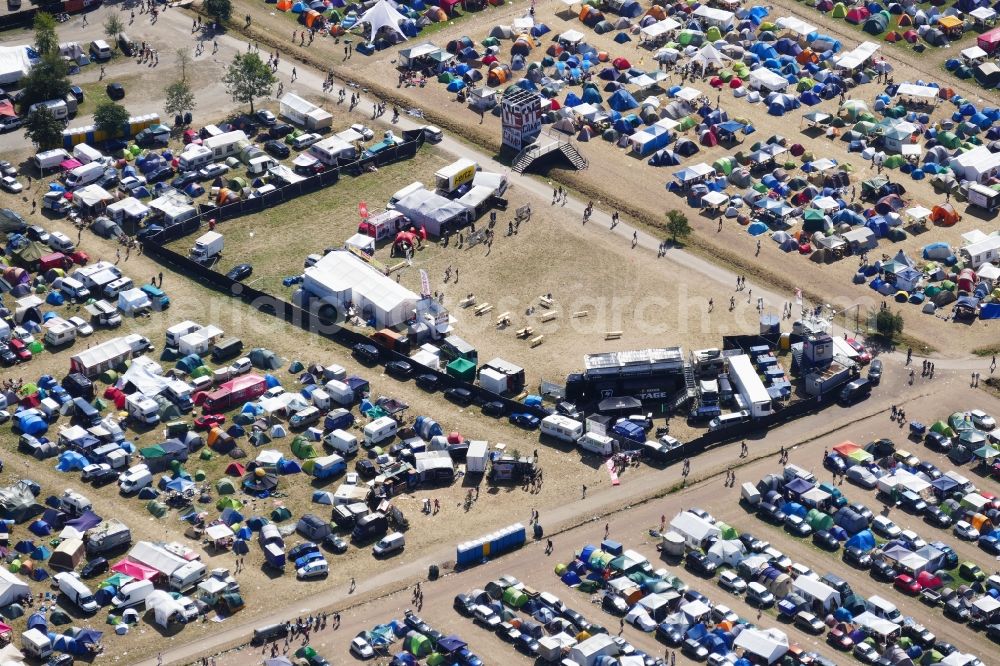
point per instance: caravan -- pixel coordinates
(562, 428)
(380, 430)
(226, 144)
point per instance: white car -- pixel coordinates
(305, 140)
(861, 476)
(81, 326)
(723, 613)
(982, 420)
(10, 184)
(240, 366)
(92, 470)
(963, 530)
(361, 649)
(731, 582)
(365, 132)
(314, 569)
(212, 171)
(885, 527)
(352, 479)
(266, 117)
(273, 392)
(23, 335)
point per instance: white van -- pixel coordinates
(112, 290)
(884, 609)
(56, 107)
(74, 289)
(380, 430)
(258, 166)
(84, 174)
(132, 594)
(390, 544)
(85, 154)
(562, 427)
(729, 420)
(792, 471)
(133, 482)
(342, 442)
(178, 331)
(77, 592)
(305, 418)
(602, 445)
(99, 50)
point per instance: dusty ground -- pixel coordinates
(634, 180)
(533, 567)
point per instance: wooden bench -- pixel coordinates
(525, 332)
(545, 302)
(537, 341)
(613, 335)
(483, 309)
(467, 302)
(503, 319)
(580, 313)
(549, 316)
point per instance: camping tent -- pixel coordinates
(382, 15)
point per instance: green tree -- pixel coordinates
(183, 60)
(677, 225)
(179, 98)
(46, 39)
(43, 129)
(888, 324)
(46, 80)
(218, 9)
(113, 26)
(248, 78)
(111, 118)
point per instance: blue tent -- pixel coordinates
(572, 100)
(180, 485)
(664, 157)
(40, 553)
(864, 540)
(55, 298)
(757, 228)
(592, 96)
(40, 528)
(231, 516)
(24, 546)
(71, 460)
(240, 547)
(456, 86)
(794, 509)
(37, 621)
(30, 422)
(289, 467)
(570, 578)
(622, 100)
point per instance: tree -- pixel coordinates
(183, 60)
(111, 118)
(46, 80)
(113, 26)
(677, 225)
(888, 324)
(219, 9)
(179, 98)
(43, 129)
(248, 78)
(46, 39)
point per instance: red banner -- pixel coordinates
(363, 210)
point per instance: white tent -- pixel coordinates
(693, 528)
(769, 645)
(382, 15)
(640, 618)
(129, 206)
(133, 300)
(14, 64)
(729, 552)
(709, 55)
(12, 588)
(165, 608)
(768, 80)
(340, 278)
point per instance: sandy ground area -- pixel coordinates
(635, 182)
(631, 527)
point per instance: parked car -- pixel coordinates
(277, 149)
(240, 272)
(428, 382)
(936, 517)
(11, 184)
(366, 133)
(361, 649)
(864, 356)
(825, 540)
(729, 581)
(265, 117)
(965, 531)
(861, 476)
(875, 372)
(907, 584)
(279, 131)
(464, 604)
(884, 527)
(115, 91)
(335, 544)
(94, 567)
(698, 563)
(770, 513)
(20, 350)
(459, 396)
(399, 369)
(882, 570)
(839, 640)
(525, 420)
(494, 408)
(866, 654)
(982, 420)
(797, 526)
(213, 171)
(937, 441)
(857, 558)
(989, 544)
(808, 623)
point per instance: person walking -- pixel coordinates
(584, 492)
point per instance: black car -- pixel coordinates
(671, 634)
(115, 91)
(367, 354)
(184, 179)
(279, 131)
(882, 570)
(459, 396)
(428, 382)
(694, 650)
(930, 469)
(937, 441)
(60, 660)
(77, 93)
(576, 618)
(993, 632)
(464, 604)
(162, 173)
(95, 567)
(770, 513)
(7, 357)
(277, 149)
(752, 543)
(335, 544)
(612, 603)
(857, 558)
(240, 272)
(935, 516)
(697, 563)
(399, 369)
(494, 408)
(863, 511)
(825, 540)
(834, 463)
(956, 610)
(366, 468)
(104, 477)
(415, 622)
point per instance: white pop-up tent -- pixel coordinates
(768, 645)
(382, 15)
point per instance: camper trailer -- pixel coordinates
(380, 430)
(562, 428)
(194, 157)
(226, 144)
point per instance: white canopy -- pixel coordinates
(858, 57)
(688, 94)
(382, 15)
(983, 13)
(714, 16)
(876, 624)
(770, 645)
(795, 25)
(571, 37)
(708, 54)
(973, 53)
(715, 199)
(658, 29)
(765, 78)
(825, 204)
(913, 90)
(219, 532)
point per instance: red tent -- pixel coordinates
(447, 5)
(235, 469)
(135, 570)
(621, 63)
(857, 15)
(989, 41)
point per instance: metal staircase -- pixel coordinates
(687, 394)
(529, 154)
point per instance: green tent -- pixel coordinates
(206, 454)
(599, 560)
(199, 475)
(296, 367)
(713, 34)
(942, 428)
(303, 448)
(228, 503)
(280, 514)
(463, 369)
(514, 597)
(158, 509)
(99, 404)
(306, 652)
(259, 438)
(200, 371)
(894, 162)
(308, 466)
(948, 139)
(152, 452)
(265, 359)
(686, 123)
(724, 164)
(60, 618)
(727, 532)
(960, 423)
(225, 487)
(444, 77)
(819, 520)
(588, 586)
(436, 659)
(417, 644)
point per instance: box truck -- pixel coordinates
(207, 247)
(451, 177)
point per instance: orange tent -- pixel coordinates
(905, 20)
(657, 12)
(498, 76)
(310, 17)
(946, 93)
(284, 5)
(945, 215)
(981, 523)
(807, 56)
